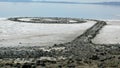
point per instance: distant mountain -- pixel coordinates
(15, 0)
(108, 3)
(65, 2)
(42, 1)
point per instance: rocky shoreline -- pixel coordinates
(49, 20)
(79, 53)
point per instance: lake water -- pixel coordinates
(59, 10)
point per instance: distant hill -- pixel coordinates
(15, 0)
(64, 2)
(108, 3)
(42, 1)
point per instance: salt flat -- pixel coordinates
(110, 34)
(36, 34)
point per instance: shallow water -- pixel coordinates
(10, 9)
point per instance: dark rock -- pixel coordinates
(60, 66)
(119, 57)
(95, 57)
(102, 53)
(26, 65)
(33, 66)
(40, 62)
(71, 66)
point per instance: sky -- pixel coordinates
(83, 0)
(69, 0)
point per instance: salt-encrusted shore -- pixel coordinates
(110, 34)
(37, 34)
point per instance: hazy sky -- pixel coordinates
(81, 0)
(68, 0)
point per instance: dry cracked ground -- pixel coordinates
(80, 52)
